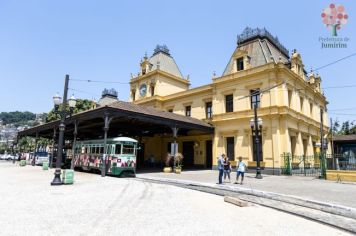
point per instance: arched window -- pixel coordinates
(133, 94)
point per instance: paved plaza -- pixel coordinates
(300, 186)
(116, 206)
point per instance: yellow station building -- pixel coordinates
(291, 111)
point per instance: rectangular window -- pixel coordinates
(188, 110)
(289, 98)
(152, 90)
(301, 104)
(209, 110)
(311, 109)
(133, 95)
(229, 103)
(110, 148)
(255, 98)
(118, 149)
(128, 149)
(230, 148)
(240, 63)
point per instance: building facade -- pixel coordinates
(291, 111)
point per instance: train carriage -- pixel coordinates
(120, 157)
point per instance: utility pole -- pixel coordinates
(331, 140)
(322, 158)
(57, 173)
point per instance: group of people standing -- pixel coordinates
(224, 167)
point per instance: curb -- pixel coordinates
(335, 209)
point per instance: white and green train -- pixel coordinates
(120, 156)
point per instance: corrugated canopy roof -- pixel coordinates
(128, 119)
(350, 137)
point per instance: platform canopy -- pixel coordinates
(127, 119)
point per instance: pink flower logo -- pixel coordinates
(334, 17)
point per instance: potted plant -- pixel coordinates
(178, 169)
(178, 159)
(168, 168)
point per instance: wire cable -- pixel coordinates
(334, 62)
(99, 81)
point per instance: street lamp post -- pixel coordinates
(256, 126)
(63, 113)
(13, 145)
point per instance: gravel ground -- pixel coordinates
(114, 206)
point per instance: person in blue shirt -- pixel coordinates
(241, 168)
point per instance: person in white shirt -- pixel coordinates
(241, 168)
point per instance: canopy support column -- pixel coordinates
(53, 143)
(34, 151)
(104, 162)
(75, 132)
(175, 149)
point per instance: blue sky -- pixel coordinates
(41, 41)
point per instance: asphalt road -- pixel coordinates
(114, 206)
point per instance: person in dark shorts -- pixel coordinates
(227, 168)
(221, 167)
(240, 168)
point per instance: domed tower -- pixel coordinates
(159, 76)
(255, 47)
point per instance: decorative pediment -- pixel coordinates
(239, 53)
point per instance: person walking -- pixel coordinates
(227, 168)
(221, 167)
(241, 168)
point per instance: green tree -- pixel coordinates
(17, 117)
(26, 144)
(335, 127)
(43, 143)
(81, 105)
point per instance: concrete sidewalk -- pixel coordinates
(303, 187)
(129, 206)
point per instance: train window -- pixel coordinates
(128, 149)
(118, 149)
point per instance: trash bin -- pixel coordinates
(23, 163)
(45, 165)
(68, 176)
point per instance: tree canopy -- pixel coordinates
(346, 128)
(17, 117)
(81, 105)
